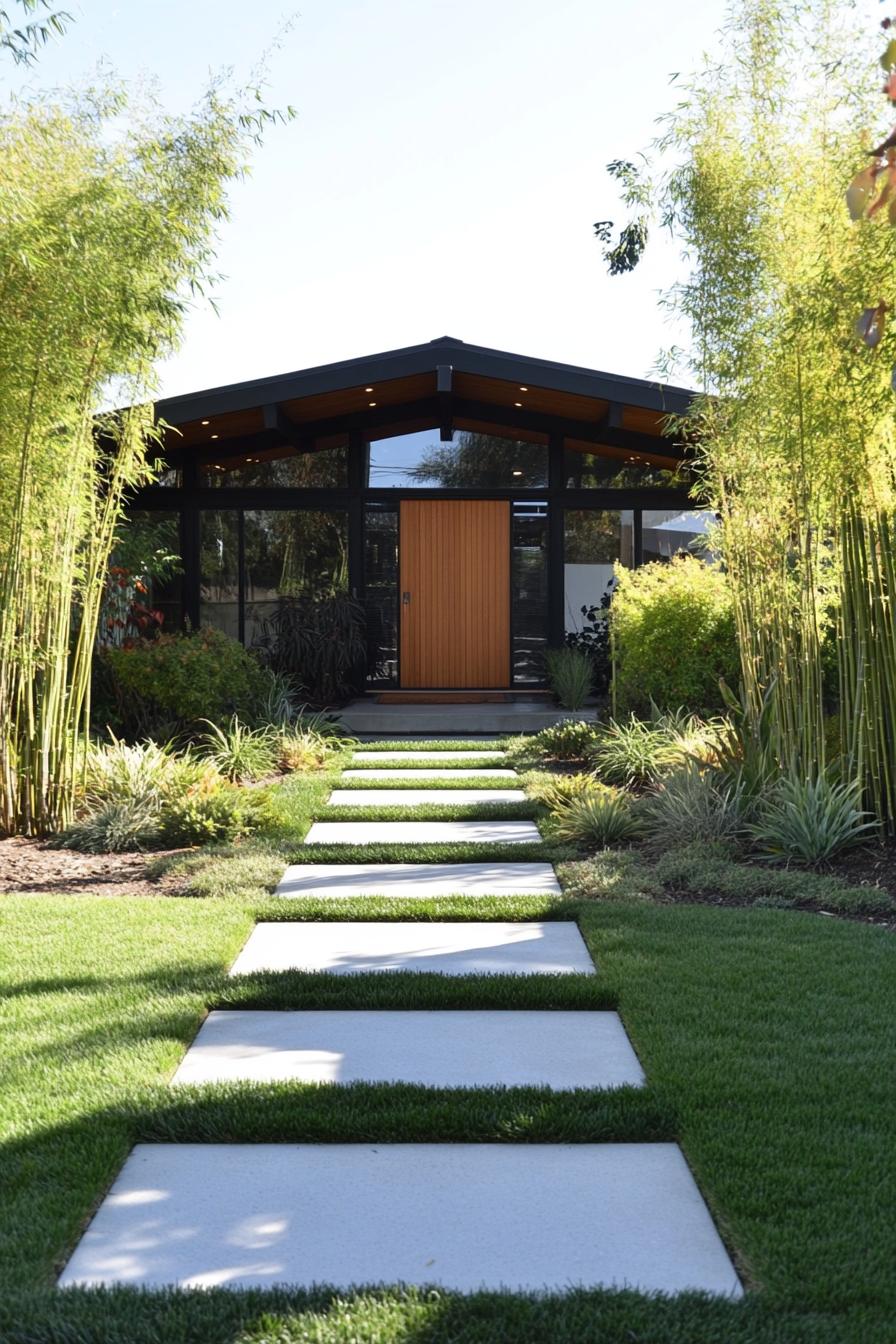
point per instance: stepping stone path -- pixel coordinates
(454, 1048)
(423, 833)
(481, 948)
(418, 879)
(462, 1216)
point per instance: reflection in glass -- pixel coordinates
(668, 532)
(381, 592)
(591, 471)
(529, 590)
(320, 470)
(144, 590)
(291, 553)
(219, 585)
(469, 461)
(594, 539)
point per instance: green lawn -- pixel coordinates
(766, 1035)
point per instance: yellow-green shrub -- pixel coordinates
(673, 626)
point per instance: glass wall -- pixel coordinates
(594, 471)
(529, 591)
(253, 558)
(668, 532)
(381, 592)
(325, 468)
(144, 588)
(594, 539)
(470, 461)
(219, 570)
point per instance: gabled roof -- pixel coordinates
(442, 379)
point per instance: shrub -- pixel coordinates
(568, 740)
(320, 643)
(604, 818)
(114, 827)
(674, 633)
(809, 820)
(238, 752)
(204, 815)
(302, 749)
(697, 804)
(163, 686)
(570, 674)
(118, 772)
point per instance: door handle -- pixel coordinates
(405, 599)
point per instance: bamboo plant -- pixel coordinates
(107, 219)
(794, 424)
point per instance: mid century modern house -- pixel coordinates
(474, 501)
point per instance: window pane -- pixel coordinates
(594, 539)
(325, 468)
(668, 532)
(219, 570)
(529, 590)
(144, 590)
(470, 461)
(292, 553)
(381, 593)
(588, 471)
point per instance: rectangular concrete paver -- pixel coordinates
(418, 879)
(426, 755)
(462, 1216)
(422, 797)
(560, 1050)
(429, 772)
(422, 833)
(470, 947)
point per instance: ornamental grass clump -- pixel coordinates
(809, 820)
(568, 740)
(238, 752)
(696, 805)
(570, 676)
(604, 817)
(107, 219)
(635, 752)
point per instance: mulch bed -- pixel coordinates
(873, 867)
(37, 868)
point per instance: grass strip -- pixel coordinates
(412, 763)
(455, 852)
(390, 990)
(287, 1112)
(524, 811)
(526, 905)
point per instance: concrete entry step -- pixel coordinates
(422, 833)
(418, 879)
(421, 797)
(390, 721)
(427, 772)
(426, 755)
(460, 1216)
(470, 947)
(560, 1050)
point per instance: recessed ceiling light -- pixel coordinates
(517, 473)
(517, 403)
(214, 436)
(371, 403)
(368, 389)
(524, 389)
(205, 422)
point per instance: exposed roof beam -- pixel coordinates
(429, 409)
(443, 392)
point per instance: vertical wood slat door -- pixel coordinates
(454, 561)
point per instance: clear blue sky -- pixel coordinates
(442, 175)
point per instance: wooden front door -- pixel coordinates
(454, 565)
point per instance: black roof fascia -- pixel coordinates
(413, 359)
